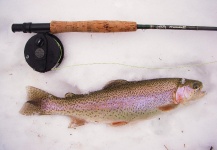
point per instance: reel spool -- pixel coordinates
(43, 52)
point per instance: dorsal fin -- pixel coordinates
(114, 83)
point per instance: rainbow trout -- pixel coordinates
(118, 103)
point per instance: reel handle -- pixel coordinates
(92, 26)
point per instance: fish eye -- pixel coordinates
(195, 86)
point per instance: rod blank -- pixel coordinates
(176, 27)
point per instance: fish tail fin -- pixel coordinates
(34, 99)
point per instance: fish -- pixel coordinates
(117, 103)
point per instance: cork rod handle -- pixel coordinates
(92, 26)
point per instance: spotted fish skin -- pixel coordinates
(119, 101)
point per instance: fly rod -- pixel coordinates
(44, 51)
(97, 26)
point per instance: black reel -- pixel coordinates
(44, 52)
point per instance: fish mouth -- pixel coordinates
(199, 95)
(202, 93)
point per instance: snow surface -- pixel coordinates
(190, 127)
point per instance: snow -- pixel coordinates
(188, 127)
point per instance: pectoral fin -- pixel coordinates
(168, 107)
(76, 122)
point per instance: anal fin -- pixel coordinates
(76, 122)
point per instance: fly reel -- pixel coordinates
(43, 52)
